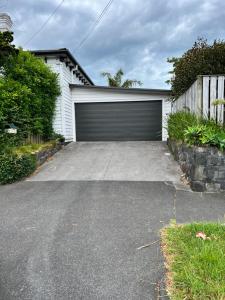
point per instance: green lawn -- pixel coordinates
(195, 266)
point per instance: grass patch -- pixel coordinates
(32, 148)
(196, 267)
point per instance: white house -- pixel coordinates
(85, 112)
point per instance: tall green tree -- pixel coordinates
(117, 80)
(28, 90)
(7, 49)
(201, 59)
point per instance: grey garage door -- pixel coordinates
(119, 121)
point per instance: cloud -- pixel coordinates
(135, 35)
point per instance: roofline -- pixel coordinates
(130, 90)
(62, 51)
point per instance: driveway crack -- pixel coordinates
(107, 166)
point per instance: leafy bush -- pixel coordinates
(28, 94)
(9, 140)
(7, 49)
(58, 137)
(205, 135)
(194, 130)
(15, 104)
(201, 59)
(14, 167)
(28, 90)
(179, 122)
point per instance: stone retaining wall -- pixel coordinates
(204, 167)
(44, 155)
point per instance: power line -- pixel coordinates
(96, 23)
(45, 23)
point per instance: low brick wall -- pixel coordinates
(44, 155)
(204, 167)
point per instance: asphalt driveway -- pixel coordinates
(80, 240)
(126, 161)
(74, 239)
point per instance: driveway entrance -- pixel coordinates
(123, 161)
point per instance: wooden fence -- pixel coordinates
(33, 139)
(200, 98)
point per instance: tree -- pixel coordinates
(201, 59)
(6, 47)
(116, 80)
(28, 90)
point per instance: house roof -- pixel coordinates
(62, 53)
(129, 90)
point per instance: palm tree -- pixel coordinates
(116, 80)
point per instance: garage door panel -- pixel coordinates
(125, 122)
(122, 121)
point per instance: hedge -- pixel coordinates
(28, 91)
(14, 167)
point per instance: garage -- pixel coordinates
(119, 114)
(119, 121)
(87, 112)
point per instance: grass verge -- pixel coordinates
(195, 265)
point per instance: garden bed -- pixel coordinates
(195, 263)
(17, 163)
(204, 167)
(41, 152)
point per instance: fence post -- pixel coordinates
(199, 99)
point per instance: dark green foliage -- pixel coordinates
(179, 122)
(205, 135)
(10, 140)
(201, 59)
(58, 137)
(29, 92)
(14, 167)
(15, 104)
(194, 130)
(6, 48)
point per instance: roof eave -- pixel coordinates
(62, 51)
(140, 90)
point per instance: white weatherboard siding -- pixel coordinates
(88, 95)
(63, 120)
(56, 66)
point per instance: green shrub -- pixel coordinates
(58, 137)
(179, 122)
(10, 140)
(205, 135)
(6, 48)
(201, 59)
(195, 130)
(29, 91)
(14, 167)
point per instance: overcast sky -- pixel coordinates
(136, 35)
